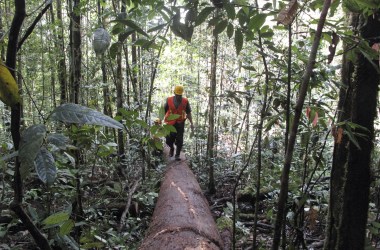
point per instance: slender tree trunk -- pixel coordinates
(293, 133)
(350, 175)
(76, 52)
(75, 80)
(134, 73)
(60, 48)
(119, 101)
(16, 112)
(211, 118)
(259, 138)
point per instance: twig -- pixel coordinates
(31, 28)
(126, 210)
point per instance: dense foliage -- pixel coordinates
(89, 174)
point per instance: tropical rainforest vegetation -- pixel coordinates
(283, 97)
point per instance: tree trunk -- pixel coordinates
(16, 112)
(211, 119)
(134, 73)
(60, 47)
(293, 133)
(182, 217)
(76, 53)
(350, 175)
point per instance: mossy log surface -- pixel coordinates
(182, 217)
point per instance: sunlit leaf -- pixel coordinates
(172, 117)
(74, 113)
(257, 21)
(56, 219)
(66, 227)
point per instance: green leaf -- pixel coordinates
(161, 113)
(203, 15)
(172, 117)
(45, 166)
(170, 128)
(56, 219)
(31, 141)
(230, 30)
(66, 227)
(125, 34)
(74, 113)
(220, 27)
(158, 27)
(375, 224)
(230, 9)
(59, 140)
(257, 21)
(132, 25)
(238, 41)
(249, 67)
(158, 144)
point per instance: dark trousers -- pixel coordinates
(176, 138)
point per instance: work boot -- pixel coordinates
(177, 153)
(171, 152)
(177, 158)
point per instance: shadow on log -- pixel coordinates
(182, 217)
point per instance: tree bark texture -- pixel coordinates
(211, 116)
(60, 46)
(76, 52)
(182, 217)
(350, 176)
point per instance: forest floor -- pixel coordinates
(106, 198)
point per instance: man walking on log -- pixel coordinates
(180, 107)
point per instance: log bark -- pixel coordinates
(182, 217)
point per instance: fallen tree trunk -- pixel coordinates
(182, 217)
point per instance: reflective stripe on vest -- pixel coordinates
(181, 110)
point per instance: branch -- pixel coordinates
(41, 241)
(126, 210)
(31, 27)
(293, 133)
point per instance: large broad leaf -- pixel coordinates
(74, 113)
(31, 141)
(45, 166)
(203, 15)
(220, 27)
(257, 21)
(58, 140)
(56, 219)
(230, 9)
